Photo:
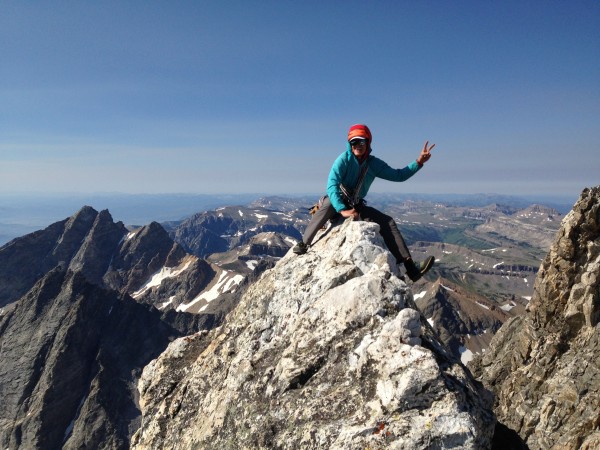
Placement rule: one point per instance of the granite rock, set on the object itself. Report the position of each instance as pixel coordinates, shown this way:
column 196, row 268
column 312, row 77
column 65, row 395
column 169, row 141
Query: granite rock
column 325, row 350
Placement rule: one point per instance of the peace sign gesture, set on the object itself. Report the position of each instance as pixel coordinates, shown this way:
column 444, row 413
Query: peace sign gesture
column 425, row 153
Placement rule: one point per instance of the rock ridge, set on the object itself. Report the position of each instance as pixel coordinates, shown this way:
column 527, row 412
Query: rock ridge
column 326, row 350
column 25, row 260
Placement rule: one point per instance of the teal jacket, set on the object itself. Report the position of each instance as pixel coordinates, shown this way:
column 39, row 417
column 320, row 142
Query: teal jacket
column 346, row 170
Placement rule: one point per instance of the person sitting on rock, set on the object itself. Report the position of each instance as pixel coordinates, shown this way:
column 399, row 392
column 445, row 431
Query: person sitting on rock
column 349, row 181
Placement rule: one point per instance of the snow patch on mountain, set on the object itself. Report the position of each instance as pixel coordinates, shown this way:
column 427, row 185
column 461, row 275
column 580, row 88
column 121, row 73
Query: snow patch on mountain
column 509, row 306
column 160, row 276
column 420, row 295
column 227, row 282
column 466, row 355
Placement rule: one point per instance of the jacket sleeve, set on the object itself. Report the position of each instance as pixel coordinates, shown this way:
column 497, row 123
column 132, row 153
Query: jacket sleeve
column 336, row 175
column 383, row 170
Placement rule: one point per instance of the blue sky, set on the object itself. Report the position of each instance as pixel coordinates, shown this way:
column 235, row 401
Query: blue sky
column 240, row 96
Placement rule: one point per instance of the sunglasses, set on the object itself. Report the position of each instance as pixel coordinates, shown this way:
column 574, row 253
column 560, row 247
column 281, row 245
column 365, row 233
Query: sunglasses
column 358, row 142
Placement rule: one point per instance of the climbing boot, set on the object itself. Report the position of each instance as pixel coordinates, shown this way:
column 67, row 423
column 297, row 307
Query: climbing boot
column 300, row 248
column 416, row 271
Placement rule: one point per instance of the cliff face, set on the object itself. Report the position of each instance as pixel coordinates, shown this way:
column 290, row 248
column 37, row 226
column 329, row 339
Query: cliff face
column 326, row 350
column 71, row 352
column 544, row 366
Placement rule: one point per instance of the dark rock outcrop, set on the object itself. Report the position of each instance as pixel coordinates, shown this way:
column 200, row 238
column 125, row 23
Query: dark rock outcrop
column 96, row 251
column 71, row 353
column 544, row 366
column 107, row 255
column 141, row 254
column 73, row 340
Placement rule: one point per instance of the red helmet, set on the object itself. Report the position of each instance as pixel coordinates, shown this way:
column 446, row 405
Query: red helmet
column 360, row 131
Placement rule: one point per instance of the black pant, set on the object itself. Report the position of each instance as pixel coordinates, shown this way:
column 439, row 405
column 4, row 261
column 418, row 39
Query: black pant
column 388, row 229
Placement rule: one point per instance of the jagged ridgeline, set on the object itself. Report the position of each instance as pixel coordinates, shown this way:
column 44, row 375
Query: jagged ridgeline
column 73, row 340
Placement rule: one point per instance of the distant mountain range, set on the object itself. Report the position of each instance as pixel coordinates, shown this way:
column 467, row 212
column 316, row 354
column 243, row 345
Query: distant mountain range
column 225, row 228
column 25, row 213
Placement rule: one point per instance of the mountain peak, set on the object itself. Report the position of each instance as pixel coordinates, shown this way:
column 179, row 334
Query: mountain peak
column 98, row 246
column 85, row 241
column 85, row 211
column 325, row 350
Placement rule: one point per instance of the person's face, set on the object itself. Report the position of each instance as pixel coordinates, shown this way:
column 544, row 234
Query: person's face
column 359, row 147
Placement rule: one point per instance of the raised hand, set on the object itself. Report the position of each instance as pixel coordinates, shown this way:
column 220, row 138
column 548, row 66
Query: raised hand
column 425, row 153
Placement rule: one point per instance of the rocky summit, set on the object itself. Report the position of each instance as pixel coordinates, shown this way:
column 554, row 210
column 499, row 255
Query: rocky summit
column 326, row 350
column 544, row 366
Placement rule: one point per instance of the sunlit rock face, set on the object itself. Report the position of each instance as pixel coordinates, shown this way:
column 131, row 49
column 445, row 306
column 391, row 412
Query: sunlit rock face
column 544, row 366
column 325, row 350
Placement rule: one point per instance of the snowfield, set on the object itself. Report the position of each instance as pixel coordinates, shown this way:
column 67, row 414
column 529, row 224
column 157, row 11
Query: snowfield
column 158, row 277
column 227, row 283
